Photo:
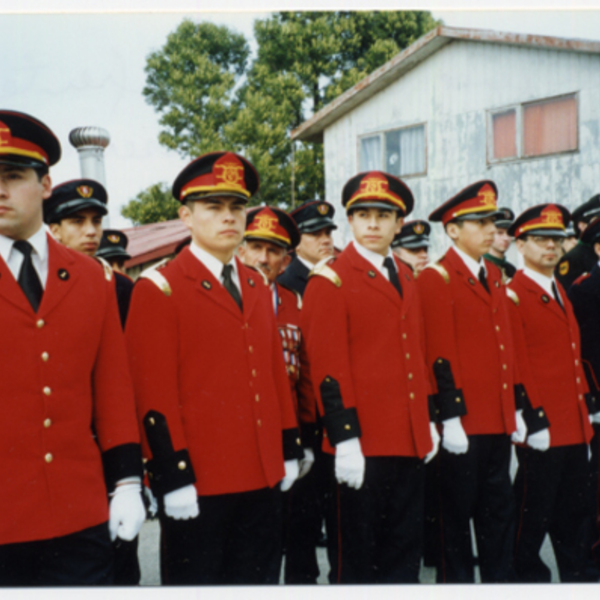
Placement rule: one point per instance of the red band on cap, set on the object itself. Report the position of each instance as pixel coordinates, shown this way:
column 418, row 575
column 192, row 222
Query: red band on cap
column 18, row 146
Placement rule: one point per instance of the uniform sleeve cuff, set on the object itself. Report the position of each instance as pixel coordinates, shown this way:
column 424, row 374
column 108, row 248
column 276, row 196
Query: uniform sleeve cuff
column 535, row 419
column 592, row 403
column 309, row 434
column 292, row 444
column 433, row 416
column 121, row 462
column 521, row 397
column 450, row 404
column 342, row 425
column 168, row 473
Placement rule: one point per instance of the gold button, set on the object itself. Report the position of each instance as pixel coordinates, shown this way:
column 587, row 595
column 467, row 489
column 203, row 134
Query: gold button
column 403, row 336
column 541, row 413
column 45, row 356
column 151, row 421
column 48, row 458
column 410, row 375
column 40, row 323
column 578, row 380
column 181, row 465
column 327, row 379
column 259, row 422
column 576, row 362
column 504, row 386
column 457, row 399
column 497, row 328
column 253, row 372
column 580, row 397
column 144, row 460
column 257, row 398
column 250, row 349
column 411, row 396
column 501, row 347
column 407, row 356
column 347, row 427
column 47, row 423
column 439, row 361
column 504, row 367
column 573, row 346
column 298, row 442
column 47, row 391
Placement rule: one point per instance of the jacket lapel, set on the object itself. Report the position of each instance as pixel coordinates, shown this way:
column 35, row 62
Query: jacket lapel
column 406, row 281
column 543, row 299
column 206, row 284
column 467, row 278
column 62, row 276
column 249, row 281
column 10, row 289
column 373, row 277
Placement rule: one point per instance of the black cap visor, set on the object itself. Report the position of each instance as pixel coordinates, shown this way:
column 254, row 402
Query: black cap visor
column 313, row 225
column 116, row 252
column 66, row 209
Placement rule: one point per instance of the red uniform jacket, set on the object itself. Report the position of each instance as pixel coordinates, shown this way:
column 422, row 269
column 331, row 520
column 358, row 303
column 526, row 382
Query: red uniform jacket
column 64, row 372
column 469, row 345
column 549, row 355
column 210, row 382
column 288, row 308
column 365, row 348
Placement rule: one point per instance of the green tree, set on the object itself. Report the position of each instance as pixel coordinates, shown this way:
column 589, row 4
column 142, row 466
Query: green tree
column 209, row 98
column 152, row 205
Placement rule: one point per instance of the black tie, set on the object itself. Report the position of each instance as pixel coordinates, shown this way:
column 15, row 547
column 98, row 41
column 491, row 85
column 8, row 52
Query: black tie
column 388, row 263
column 28, row 277
column 230, row 286
column 483, row 280
column 557, row 295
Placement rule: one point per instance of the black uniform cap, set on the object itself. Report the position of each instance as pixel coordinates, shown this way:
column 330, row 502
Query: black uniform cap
column 314, row 215
column 591, row 235
column 26, row 142
column 113, row 245
column 506, row 219
column 413, row 235
column 73, row 196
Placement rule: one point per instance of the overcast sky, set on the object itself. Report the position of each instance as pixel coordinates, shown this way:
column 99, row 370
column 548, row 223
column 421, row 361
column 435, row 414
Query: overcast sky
column 73, row 69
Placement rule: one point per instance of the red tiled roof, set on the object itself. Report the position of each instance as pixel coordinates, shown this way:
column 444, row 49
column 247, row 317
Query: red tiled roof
column 154, row 241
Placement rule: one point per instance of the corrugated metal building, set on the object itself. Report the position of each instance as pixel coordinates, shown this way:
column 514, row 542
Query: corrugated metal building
column 461, row 105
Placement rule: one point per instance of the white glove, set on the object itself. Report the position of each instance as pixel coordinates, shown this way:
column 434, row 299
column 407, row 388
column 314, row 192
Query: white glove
column 292, row 468
column 152, row 503
column 350, row 463
column 539, row 440
column 595, row 418
column 182, row 503
column 307, row 462
column 519, row 436
column 126, row 511
column 435, row 438
column 454, row 438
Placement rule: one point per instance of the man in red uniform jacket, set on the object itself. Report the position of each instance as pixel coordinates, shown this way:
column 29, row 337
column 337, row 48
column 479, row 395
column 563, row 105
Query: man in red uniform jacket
column 471, row 363
column 270, row 234
column 551, row 487
column 363, row 326
column 64, row 378
column 212, row 391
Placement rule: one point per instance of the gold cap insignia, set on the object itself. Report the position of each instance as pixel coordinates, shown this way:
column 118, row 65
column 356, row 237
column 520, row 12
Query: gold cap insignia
column 113, row 238
column 85, row 191
column 419, row 228
column 323, row 209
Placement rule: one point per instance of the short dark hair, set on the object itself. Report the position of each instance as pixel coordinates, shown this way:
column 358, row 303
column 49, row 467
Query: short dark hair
column 41, row 171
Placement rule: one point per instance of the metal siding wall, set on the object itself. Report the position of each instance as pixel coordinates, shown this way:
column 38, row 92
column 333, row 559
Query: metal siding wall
column 452, row 92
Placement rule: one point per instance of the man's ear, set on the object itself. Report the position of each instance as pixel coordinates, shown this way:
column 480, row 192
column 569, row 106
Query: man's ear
column 46, row 186
column 453, row 231
column 399, row 223
column 597, row 249
column 288, row 259
column 55, row 231
column 185, row 214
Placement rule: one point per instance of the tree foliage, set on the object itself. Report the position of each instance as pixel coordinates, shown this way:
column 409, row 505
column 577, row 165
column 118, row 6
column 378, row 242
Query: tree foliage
column 152, row 205
column 210, row 98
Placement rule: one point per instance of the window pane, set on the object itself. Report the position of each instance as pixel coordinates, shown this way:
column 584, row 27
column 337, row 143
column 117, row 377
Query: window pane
column 504, row 130
column 405, row 151
column 550, row 126
column 370, row 154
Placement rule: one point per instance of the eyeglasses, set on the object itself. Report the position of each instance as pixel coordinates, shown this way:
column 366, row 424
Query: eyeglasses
column 542, row 240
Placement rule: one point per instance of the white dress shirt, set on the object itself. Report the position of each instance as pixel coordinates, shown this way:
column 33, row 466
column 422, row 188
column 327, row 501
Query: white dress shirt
column 375, row 258
column 215, row 266
column 306, row 263
column 39, row 257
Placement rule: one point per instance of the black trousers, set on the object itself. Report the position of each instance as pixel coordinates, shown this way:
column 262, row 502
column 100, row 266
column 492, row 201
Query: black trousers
column 552, row 494
column 302, row 523
column 476, row 485
column 595, row 494
column 380, row 526
column 82, row 558
column 236, row 539
column 127, row 564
